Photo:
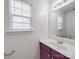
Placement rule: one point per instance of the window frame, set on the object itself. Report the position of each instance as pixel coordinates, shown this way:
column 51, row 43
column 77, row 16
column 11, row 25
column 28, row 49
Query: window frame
column 11, row 19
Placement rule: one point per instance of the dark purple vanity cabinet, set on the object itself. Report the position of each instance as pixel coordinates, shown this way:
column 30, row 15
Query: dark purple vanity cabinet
column 44, row 51
column 48, row 53
column 57, row 55
column 44, row 55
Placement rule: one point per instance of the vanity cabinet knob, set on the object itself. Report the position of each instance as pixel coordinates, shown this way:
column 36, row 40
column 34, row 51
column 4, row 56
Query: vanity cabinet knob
column 52, row 57
column 48, row 54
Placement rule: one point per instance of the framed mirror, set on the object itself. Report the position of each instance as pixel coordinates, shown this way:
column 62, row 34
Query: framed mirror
column 62, row 18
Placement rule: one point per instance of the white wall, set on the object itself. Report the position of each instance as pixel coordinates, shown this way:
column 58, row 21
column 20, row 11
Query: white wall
column 26, row 44
column 70, row 24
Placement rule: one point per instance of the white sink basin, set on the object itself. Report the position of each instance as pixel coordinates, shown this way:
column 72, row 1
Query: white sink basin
column 63, row 46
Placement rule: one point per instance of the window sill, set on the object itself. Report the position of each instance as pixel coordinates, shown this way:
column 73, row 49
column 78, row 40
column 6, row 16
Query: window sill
column 12, row 31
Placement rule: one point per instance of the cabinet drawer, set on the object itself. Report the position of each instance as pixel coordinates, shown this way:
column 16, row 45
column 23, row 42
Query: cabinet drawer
column 44, row 47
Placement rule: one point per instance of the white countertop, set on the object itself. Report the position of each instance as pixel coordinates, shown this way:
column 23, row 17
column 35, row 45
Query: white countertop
column 67, row 49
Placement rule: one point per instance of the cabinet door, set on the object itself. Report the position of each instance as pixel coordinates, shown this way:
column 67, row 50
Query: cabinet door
column 44, row 51
column 59, row 58
column 44, row 55
column 44, row 47
column 57, row 55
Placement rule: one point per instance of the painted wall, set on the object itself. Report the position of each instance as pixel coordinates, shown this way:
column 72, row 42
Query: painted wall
column 70, row 24
column 26, row 44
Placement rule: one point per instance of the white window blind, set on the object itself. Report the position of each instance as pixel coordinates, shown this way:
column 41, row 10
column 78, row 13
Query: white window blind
column 20, row 12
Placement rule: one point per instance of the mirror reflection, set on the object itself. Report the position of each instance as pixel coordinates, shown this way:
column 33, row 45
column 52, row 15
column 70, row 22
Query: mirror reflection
column 62, row 18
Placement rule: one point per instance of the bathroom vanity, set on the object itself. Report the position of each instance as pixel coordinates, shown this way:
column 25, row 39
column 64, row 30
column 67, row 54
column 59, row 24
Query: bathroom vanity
column 50, row 49
column 48, row 53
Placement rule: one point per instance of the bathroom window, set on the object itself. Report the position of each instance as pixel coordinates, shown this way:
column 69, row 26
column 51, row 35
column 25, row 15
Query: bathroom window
column 20, row 12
